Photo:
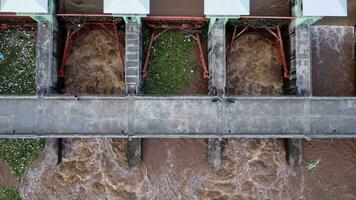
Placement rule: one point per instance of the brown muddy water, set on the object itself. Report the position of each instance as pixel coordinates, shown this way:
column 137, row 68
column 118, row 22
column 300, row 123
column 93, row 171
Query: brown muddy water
column 198, row 84
column 81, row 6
column 6, row 177
column 253, row 67
column 333, row 62
column 95, row 66
column 270, row 8
column 179, row 169
column 177, row 8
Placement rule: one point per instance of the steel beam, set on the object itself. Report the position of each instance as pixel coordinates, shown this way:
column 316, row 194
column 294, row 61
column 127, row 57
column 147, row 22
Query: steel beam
column 180, row 116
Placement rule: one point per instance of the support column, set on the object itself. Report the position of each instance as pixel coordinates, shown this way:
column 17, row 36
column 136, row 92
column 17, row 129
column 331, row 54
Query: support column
column 133, row 80
column 60, row 150
column 134, row 152
column 217, row 57
column 294, row 152
column 46, row 61
column 301, row 73
column 301, row 78
column 51, row 150
column 214, row 152
column 133, row 55
column 303, row 60
column 217, row 77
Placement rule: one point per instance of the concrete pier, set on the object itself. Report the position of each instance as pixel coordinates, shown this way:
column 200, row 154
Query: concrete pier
column 133, row 81
column 133, row 51
column 301, row 79
column 217, row 56
column 46, row 61
column 303, row 60
column 294, row 151
column 217, row 78
column 214, row 152
column 134, row 152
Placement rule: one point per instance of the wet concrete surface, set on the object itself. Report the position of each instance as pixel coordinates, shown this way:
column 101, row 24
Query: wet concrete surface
column 333, row 65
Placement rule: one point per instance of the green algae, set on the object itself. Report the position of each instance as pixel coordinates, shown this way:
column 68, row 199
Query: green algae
column 7, row 193
column 19, row 154
column 18, row 61
column 17, row 76
column 170, row 67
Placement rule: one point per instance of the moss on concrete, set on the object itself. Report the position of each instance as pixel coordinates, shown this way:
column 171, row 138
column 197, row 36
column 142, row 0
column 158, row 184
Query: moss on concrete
column 171, row 67
column 9, row 193
column 17, row 61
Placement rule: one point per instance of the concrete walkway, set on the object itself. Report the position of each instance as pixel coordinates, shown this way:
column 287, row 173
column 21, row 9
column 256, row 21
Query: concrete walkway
column 172, row 117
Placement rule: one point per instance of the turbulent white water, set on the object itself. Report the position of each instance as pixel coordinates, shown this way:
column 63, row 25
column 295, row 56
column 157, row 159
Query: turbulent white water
column 97, row 169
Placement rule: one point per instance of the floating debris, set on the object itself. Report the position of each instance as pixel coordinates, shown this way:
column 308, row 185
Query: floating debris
column 313, row 164
column 170, row 67
column 2, row 56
